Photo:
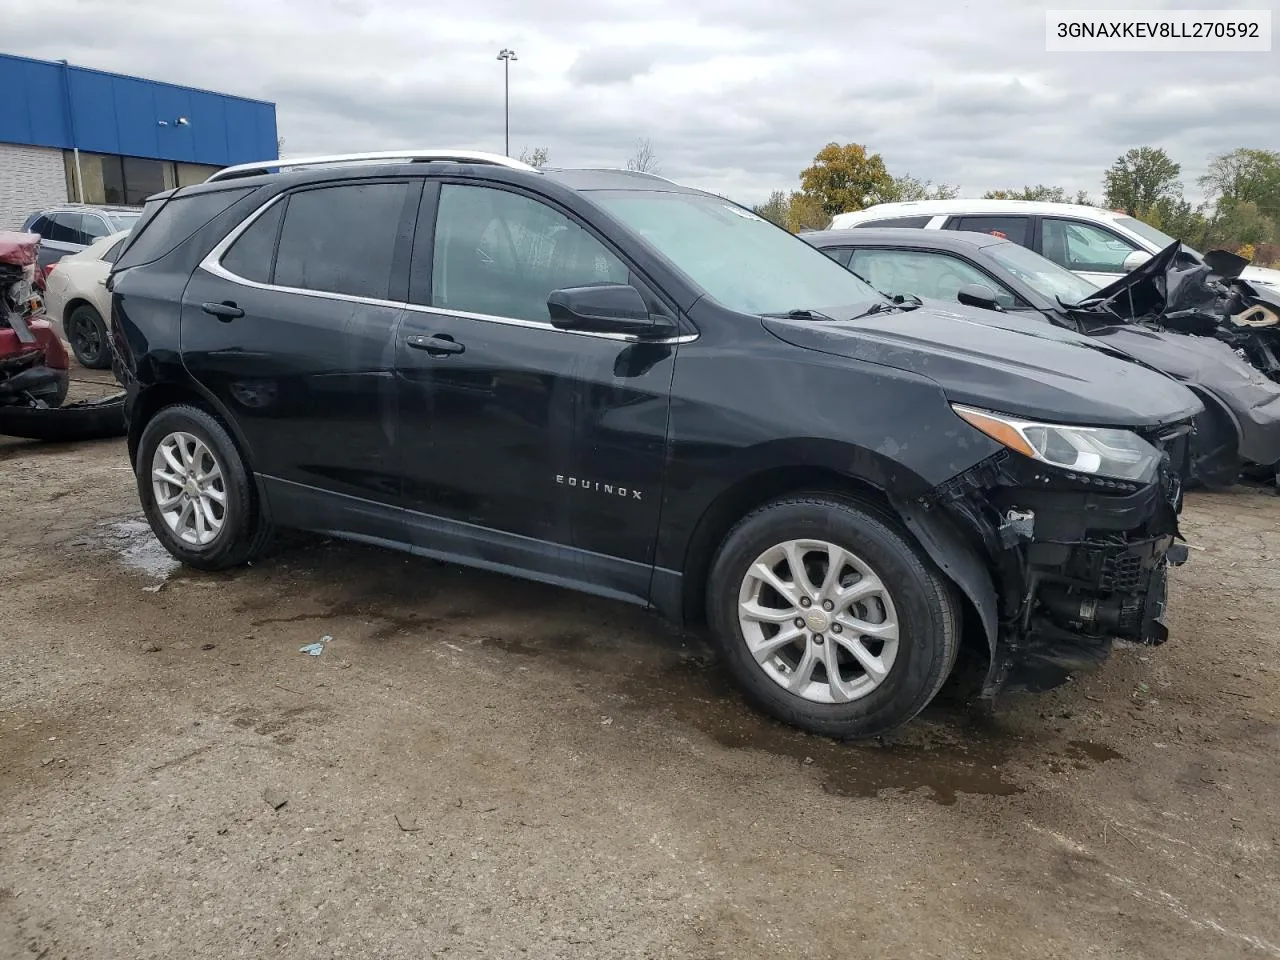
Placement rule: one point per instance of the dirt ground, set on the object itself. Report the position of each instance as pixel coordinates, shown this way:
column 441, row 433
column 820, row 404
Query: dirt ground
column 480, row 767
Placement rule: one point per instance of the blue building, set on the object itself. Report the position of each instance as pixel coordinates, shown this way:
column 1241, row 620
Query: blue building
column 72, row 134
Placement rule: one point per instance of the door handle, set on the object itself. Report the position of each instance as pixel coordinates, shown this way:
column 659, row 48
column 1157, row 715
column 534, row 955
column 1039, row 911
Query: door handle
column 226, row 311
column 436, row 345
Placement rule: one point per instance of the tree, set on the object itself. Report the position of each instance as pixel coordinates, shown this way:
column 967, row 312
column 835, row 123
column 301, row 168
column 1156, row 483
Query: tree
column 908, row 187
column 1140, row 179
column 1242, row 223
column 1243, row 176
column 1178, row 219
column 536, row 158
column 775, row 209
column 846, row 178
column 643, row 158
column 1082, row 197
column 806, row 212
column 1040, row 191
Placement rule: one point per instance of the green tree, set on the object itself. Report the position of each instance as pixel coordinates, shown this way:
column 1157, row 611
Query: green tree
column 1241, row 223
column 775, row 209
column 845, row 178
column 1179, row 219
column 1082, row 197
column 1245, row 176
column 1141, row 178
column 536, row 158
column 1040, row 191
column 908, row 187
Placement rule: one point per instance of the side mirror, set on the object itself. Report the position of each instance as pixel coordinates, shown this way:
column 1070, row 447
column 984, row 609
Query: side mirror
column 1134, row 260
column 978, row 295
column 605, row 308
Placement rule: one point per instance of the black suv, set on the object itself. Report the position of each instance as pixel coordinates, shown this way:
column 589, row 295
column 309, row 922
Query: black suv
column 604, row 380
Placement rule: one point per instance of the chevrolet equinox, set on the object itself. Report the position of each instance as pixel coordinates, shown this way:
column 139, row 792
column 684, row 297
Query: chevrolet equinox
column 607, row 381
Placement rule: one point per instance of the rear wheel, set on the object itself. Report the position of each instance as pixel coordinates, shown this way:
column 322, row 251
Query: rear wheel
column 196, row 491
column 829, row 617
column 87, row 335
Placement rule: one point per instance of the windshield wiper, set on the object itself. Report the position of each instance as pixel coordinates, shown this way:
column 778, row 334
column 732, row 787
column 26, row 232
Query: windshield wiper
column 903, row 305
column 802, row 313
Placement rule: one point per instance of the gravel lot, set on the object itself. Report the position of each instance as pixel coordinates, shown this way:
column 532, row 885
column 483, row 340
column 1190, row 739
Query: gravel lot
column 481, row 767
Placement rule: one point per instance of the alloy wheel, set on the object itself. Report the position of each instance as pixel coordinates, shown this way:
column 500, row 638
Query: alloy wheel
column 819, row 621
column 189, row 488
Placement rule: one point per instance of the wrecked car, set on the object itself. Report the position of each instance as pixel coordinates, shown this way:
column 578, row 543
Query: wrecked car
column 1239, row 428
column 34, row 366
column 680, row 406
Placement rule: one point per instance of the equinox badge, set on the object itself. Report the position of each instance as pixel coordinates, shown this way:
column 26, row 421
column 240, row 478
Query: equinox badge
column 596, row 485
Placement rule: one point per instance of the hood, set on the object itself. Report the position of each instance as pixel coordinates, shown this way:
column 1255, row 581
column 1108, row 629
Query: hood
column 1003, row 363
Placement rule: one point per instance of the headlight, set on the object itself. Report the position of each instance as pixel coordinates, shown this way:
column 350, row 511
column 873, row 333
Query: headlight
column 1100, row 452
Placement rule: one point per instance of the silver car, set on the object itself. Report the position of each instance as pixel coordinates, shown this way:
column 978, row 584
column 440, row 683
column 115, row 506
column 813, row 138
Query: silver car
column 72, row 227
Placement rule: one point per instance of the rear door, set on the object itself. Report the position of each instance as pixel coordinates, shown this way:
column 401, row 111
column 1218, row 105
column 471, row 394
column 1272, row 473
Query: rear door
column 290, row 322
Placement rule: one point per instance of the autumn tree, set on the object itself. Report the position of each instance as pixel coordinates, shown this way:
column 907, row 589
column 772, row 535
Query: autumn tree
column 1140, row 178
column 643, row 157
column 536, row 158
column 806, row 212
column 845, row 178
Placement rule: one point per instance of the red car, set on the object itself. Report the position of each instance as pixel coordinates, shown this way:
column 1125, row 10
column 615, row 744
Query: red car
column 34, row 365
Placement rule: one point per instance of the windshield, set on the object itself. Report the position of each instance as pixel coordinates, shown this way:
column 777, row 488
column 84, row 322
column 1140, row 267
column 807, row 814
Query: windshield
column 1041, row 274
column 740, row 260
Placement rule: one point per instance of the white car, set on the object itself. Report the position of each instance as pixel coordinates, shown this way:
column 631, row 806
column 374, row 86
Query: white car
column 78, row 302
column 1098, row 245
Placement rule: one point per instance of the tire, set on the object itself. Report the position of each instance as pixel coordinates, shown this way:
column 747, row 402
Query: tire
column 911, row 666
column 242, row 530
column 87, row 335
column 83, row 420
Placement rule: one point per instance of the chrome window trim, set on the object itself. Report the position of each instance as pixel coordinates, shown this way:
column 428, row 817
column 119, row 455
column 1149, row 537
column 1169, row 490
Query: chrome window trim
column 212, row 263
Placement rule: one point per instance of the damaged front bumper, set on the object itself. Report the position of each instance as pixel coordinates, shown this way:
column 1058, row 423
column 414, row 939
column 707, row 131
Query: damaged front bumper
column 1057, row 565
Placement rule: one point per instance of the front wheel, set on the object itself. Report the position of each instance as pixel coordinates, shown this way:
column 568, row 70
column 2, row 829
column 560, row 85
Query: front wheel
column 830, row 618
column 196, row 491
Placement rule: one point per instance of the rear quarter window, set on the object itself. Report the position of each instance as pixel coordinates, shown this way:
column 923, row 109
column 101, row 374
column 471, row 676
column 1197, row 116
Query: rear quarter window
column 896, row 222
column 173, row 221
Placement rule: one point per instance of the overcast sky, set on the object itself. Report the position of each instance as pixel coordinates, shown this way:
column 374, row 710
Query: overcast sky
column 736, row 96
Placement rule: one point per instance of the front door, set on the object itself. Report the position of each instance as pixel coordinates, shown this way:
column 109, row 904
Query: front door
column 292, row 328
column 510, row 425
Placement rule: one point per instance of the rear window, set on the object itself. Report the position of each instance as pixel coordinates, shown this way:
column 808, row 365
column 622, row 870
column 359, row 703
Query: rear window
column 172, row 222
column 896, row 222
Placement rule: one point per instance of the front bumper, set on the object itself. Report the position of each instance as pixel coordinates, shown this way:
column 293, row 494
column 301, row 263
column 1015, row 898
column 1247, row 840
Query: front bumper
column 1076, row 562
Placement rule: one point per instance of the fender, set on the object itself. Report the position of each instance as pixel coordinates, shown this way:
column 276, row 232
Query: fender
column 959, row 560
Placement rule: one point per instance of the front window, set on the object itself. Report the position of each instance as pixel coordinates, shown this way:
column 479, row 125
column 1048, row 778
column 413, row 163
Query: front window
column 1041, row 275
column 740, row 260
column 1083, row 246
column 918, row 273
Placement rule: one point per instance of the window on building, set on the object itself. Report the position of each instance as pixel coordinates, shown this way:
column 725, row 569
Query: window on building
column 341, row 239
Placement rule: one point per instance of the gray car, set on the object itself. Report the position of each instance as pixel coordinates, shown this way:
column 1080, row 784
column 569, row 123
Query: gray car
column 72, row 227
column 1240, row 427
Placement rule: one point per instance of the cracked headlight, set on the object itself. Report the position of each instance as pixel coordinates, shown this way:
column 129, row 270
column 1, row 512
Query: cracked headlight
column 1097, row 451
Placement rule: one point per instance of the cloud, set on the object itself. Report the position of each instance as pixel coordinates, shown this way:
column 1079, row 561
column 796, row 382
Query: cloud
column 735, row 95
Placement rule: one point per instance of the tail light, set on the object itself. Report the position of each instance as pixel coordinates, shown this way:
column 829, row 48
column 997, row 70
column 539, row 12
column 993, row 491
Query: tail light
column 48, row 269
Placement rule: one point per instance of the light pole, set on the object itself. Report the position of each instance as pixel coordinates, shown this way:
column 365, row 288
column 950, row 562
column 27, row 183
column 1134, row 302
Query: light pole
column 506, row 56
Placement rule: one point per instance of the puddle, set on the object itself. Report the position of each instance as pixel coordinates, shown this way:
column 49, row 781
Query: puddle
column 135, row 545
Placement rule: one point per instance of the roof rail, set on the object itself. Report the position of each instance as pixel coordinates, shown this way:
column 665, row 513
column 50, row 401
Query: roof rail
column 380, row 156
